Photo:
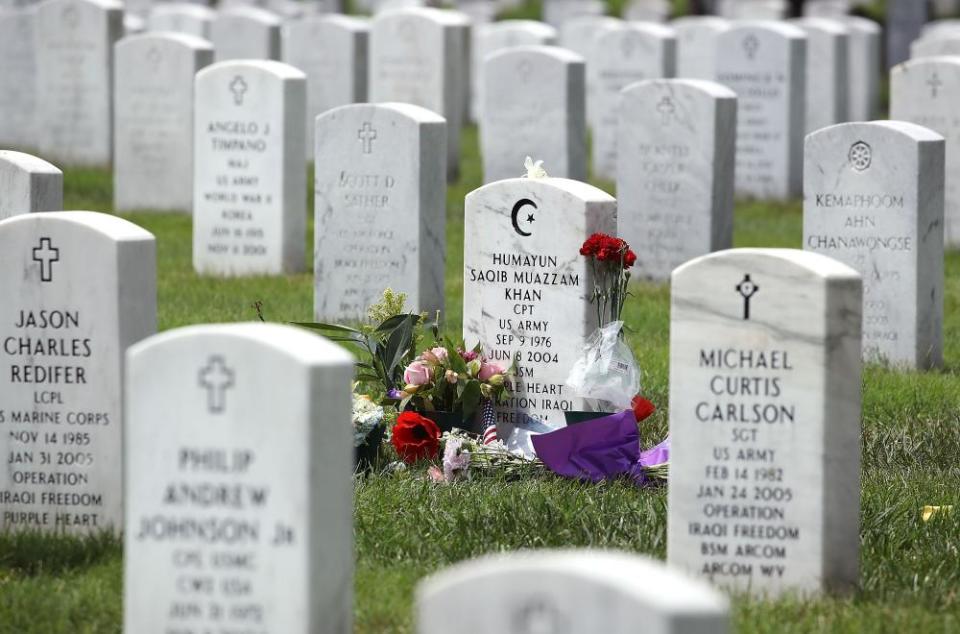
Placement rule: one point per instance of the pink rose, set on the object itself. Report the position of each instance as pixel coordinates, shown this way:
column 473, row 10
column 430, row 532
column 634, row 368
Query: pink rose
column 468, row 355
column 417, row 373
column 434, row 355
column 488, row 370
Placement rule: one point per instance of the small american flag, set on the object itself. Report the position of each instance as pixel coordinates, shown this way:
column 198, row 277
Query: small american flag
column 488, row 421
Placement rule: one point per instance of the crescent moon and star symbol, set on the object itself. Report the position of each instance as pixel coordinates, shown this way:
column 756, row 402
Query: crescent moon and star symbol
column 518, row 216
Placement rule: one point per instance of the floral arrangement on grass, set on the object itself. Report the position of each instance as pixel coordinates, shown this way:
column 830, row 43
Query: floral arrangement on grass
column 610, row 260
column 452, row 379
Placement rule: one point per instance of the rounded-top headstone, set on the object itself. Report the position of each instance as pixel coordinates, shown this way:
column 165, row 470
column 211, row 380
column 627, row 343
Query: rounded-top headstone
column 181, row 17
column 238, row 481
column 765, row 423
column 873, row 199
column 246, row 32
column 697, row 45
column 28, row 184
column 570, row 592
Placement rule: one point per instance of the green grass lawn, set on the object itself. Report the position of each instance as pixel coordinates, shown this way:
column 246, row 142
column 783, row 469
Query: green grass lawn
column 406, row 528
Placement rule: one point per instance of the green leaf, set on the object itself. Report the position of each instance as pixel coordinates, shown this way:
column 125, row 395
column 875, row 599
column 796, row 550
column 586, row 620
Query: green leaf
column 396, row 321
column 457, row 364
column 398, row 345
column 471, row 398
column 322, row 326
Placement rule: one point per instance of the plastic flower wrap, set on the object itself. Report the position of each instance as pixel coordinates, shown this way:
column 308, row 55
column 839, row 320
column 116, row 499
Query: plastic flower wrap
column 367, row 415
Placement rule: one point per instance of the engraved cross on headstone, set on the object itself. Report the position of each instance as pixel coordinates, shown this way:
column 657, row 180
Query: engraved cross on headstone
column 750, row 45
column 216, row 378
column 367, row 134
column 666, row 109
column 934, row 83
column 239, row 88
column 747, row 289
column 46, row 254
column 538, row 617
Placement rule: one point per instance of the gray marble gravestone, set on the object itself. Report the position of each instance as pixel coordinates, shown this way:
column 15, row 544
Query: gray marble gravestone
column 490, row 38
column 873, row 199
column 526, row 290
column 249, row 185
column 827, row 66
column 420, row 56
column 625, row 54
column 28, row 184
column 79, row 287
column 697, row 45
column 153, row 120
column 234, row 525
column 246, row 33
column 332, row 51
column 925, row 91
column 380, row 208
column 677, row 142
column 74, row 104
column 182, row 17
column 534, row 106
column 17, row 79
column 764, row 63
column 863, row 64
column 764, row 492
column 579, row 35
column 569, row 592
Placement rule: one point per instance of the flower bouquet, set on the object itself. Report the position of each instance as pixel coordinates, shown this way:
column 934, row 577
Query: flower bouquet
column 450, row 385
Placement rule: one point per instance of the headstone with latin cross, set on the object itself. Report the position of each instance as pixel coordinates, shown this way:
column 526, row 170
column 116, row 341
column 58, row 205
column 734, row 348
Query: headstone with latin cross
column 924, row 91
column 764, row 493
column 79, row 287
column 153, row 120
column 74, row 99
column 873, row 199
column 534, row 105
column 249, row 186
column 182, row 17
column 764, row 63
column 569, row 592
column 420, row 56
column 231, row 524
column 18, row 78
column 246, row 32
column 697, row 45
column 490, row 38
column 526, row 291
column 827, row 81
column 676, row 145
column 624, row 54
column 332, row 51
column 28, row 184
column 380, row 208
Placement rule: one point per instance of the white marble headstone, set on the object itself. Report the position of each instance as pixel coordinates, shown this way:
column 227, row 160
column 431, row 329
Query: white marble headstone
column 17, row 77
column 826, row 8
column 936, row 45
column 764, row 493
column 556, row 13
column 926, row 91
column 752, row 9
column 182, row 17
column 153, row 120
column 873, row 199
column 526, row 290
column 568, row 592
column 74, row 103
column 380, row 208
column 28, row 184
column 624, row 54
column 677, row 141
column 534, row 106
column 863, row 68
column 78, row 288
column 647, row 10
column 332, row 51
column 246, row 32
column 239, row 485
column 490, row 38
column 697, row 45
column 827, row 77
column 764, row 63
column 579, row 35
column 420, row 56
column 249, row 186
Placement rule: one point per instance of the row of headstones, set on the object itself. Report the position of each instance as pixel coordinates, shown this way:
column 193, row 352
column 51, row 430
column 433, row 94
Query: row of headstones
column 764, row 495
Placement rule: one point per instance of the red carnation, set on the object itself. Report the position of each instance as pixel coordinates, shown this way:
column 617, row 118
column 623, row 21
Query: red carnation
column 415, row 437
column 629, row 259
column 642, row 408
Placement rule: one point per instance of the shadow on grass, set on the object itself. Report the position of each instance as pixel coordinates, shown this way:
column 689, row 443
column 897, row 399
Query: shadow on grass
column 31, row 553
